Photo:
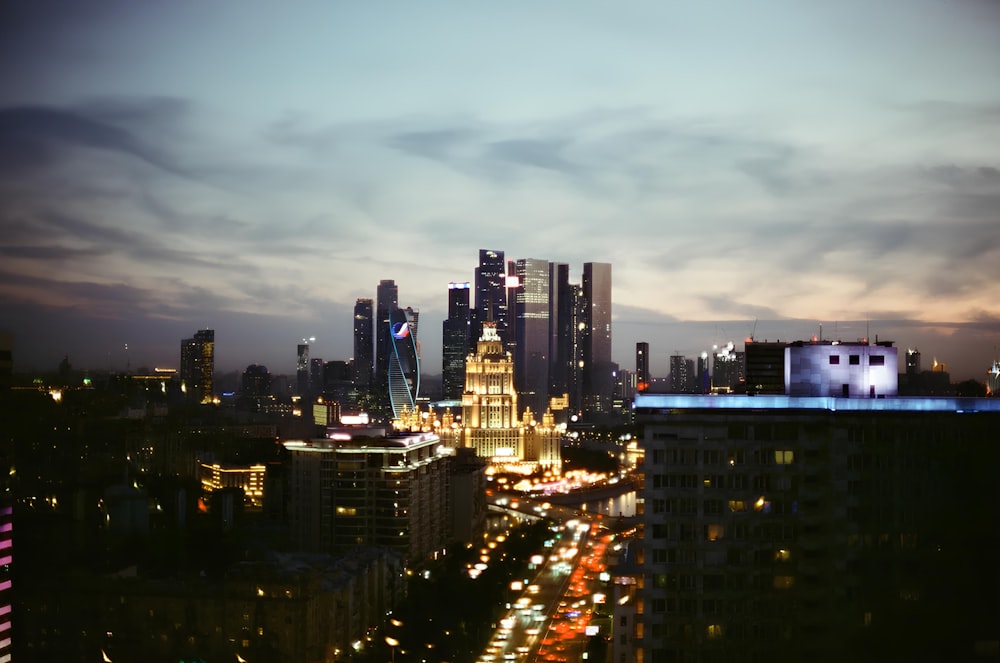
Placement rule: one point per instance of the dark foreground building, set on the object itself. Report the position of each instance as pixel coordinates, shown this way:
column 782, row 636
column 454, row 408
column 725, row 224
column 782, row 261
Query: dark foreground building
column 781, row 528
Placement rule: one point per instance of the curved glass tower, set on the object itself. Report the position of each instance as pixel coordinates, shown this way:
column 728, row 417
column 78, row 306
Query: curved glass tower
column 404, row 362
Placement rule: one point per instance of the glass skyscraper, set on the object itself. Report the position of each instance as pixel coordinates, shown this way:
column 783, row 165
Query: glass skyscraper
column 532, row 334
column 364, row 348
column 491, row 292
column 455, row 339
column 598, row 370
column 404, row 361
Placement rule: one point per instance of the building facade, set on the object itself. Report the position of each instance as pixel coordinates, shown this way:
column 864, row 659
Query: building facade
column 532, row 327
column 198, row 366
column 455, row 340
column 783, row 528
column 370, row 490
column 364, row 345
column 597, row 368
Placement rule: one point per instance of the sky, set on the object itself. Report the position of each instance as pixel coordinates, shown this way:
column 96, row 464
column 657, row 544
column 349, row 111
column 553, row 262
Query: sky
column 775, row 169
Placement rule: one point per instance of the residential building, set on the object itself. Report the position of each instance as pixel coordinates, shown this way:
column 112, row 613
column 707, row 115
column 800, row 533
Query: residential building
column 198, row 366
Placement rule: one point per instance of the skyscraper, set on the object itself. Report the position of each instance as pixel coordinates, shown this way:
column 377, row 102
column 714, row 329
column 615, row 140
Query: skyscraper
column 561, row 329
column 642, row 363
column 532, row 334
column 455, row 341
column 404, row 361
column 198, row 365
column 386, row 301
column 491, row 292
column 364, row 357
column 598, row 378
column 302, row 367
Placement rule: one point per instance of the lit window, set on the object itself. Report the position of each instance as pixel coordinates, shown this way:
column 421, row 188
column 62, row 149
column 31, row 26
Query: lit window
column 714, row 531
column 784, row 582
column 784, row 457
column 782, row 555
column 737, row 505
column 714, row 630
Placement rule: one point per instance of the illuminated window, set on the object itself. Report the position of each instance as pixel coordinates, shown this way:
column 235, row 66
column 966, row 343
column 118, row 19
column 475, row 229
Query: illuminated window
column 714, row 631
column 784, row 582
column 782, row 555
column 784, row 457
column 714, row 531
column 346, row 511
column 737, row 505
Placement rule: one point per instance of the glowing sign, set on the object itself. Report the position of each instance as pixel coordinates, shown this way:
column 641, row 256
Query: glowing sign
column 400, row 330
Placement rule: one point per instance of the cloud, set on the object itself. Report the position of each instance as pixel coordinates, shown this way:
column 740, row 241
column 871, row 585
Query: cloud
column 31, row 137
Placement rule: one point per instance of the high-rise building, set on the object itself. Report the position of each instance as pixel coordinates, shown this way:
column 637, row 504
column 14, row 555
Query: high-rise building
column 489, row 403
column 598, row 373
column 388, row 492
column 198, row 365
column 563, row 330
column 765, row 366
column 682, row 376
column 256, row 382
column 404, row 361
column 727, row 369
column 642, row 376
column 912, row 361
column 491, row 293
column 364, row 344
column 6, row 567
column 302, row 368
column 532, row 334
column 811, row 528
column 386, row 301
column 455, row 341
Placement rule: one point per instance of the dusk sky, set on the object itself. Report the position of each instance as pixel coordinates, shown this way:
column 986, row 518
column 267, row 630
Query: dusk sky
column 254, row 168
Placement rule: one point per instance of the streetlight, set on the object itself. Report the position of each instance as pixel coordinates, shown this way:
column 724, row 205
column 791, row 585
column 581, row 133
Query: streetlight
column 393, row 643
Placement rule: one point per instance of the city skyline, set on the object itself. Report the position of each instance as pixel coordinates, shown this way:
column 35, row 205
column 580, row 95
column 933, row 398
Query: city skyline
column 801, row 166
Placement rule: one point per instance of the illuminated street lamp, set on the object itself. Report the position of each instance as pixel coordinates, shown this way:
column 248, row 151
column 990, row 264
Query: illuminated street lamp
column 393, row 643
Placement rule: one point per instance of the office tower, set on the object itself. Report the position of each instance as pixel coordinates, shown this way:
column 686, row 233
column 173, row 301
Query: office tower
column 316, row 375
column 256, row 382
column 386, row 301
column 598, row 380
column 455, row 341
column 678, row 375
column 561, row 325
column 363, row 488
column 765, row 366
column 302, row 368
column 337, row 383
column 727, row 369
column 785, row 528
column 364, row 344
column 703, row 377
column 532, row 334
column 198, row 365
column 491, row 293
column 404, row 362
column 489, row 402
column 912, row 361
column 642, row 376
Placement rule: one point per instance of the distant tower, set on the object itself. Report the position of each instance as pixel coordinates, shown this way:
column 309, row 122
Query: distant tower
column 386, row 301
column 455, row 341
column 598, row 372
column 364, row 344
column 680, row 374
column 913, row 361
column 491, row 292
column 531, row 333
column 198, row 365
column 256, row 382
column 562, row 329
column 302, row 368
column 404, row 362
column 642, row 363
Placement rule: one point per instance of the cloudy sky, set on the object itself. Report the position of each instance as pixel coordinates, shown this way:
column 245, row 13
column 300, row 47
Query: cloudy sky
column 764, row 168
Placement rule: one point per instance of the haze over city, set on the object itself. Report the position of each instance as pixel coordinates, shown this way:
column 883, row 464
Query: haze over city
column 175, row 166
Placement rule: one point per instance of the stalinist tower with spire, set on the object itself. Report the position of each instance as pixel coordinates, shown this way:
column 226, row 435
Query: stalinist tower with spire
column 489, row 402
